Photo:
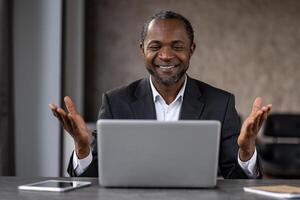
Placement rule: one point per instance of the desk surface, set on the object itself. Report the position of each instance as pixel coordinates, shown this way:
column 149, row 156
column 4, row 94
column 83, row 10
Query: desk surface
column 225, row 190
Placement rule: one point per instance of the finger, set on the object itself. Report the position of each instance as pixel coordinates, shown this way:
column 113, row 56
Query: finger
column 248, row 123
column 60, row 119
column 53, row 109
column 266, row 109
column 266, row 113
column 73, row 123
column 250, row 126
column 255, row 117
column 52, row 106
column 264, row 117
column 259, row 119
column 269, row 106
column 57, row 115
column 65, row 119
column 70, row 105
column 256, row 105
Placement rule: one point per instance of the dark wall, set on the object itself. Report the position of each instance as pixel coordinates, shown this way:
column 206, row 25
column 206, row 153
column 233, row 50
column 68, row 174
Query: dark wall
column 247, row 47
column 6, row 101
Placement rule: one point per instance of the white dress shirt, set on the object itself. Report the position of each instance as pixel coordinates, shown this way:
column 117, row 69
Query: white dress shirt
column 171, row 112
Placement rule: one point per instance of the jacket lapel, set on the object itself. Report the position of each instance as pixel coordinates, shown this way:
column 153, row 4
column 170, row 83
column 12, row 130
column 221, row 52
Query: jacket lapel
column 143, row 105
column 192, row 106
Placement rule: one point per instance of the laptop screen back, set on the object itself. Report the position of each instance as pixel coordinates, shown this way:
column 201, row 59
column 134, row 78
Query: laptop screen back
column 149, row 153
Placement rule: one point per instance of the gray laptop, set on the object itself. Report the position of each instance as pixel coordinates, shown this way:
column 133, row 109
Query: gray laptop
column 150, row 153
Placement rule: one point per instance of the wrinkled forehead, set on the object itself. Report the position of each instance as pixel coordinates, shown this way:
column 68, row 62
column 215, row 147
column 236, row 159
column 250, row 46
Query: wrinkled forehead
column 166, row 30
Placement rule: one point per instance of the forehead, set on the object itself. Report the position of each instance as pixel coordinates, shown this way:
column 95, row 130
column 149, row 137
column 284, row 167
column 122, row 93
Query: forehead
column 166, row 30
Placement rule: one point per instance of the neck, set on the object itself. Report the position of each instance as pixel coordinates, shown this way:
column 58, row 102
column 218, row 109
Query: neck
column 168, row 92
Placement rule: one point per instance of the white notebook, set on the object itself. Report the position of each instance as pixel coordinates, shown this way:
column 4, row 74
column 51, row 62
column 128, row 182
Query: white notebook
column 278, row 191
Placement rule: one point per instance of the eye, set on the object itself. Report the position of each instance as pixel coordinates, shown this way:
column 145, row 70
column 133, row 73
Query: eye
column 178, row 47
column 154, row 47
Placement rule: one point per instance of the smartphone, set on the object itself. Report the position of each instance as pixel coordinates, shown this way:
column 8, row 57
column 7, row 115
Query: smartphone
column 54, row 185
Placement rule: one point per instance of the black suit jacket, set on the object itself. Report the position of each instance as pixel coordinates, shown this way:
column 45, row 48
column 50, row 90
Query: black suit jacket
column 200, row 101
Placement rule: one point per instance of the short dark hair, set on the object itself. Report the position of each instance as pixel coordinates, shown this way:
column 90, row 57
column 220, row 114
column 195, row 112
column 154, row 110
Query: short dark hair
column 169, row 15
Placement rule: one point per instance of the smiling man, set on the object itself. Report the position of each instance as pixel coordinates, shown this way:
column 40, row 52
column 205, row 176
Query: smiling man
column 168, row 94
column 167, row 47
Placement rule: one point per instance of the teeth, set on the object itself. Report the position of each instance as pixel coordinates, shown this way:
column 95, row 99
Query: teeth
column 166, row 67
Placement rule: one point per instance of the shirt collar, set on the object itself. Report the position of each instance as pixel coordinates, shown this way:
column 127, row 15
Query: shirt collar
column 156, row 94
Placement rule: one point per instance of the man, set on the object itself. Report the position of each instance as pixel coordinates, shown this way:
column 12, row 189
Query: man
column 167, row 44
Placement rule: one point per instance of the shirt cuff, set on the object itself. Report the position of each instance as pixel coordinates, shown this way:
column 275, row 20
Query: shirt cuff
column 80, row 165
column 250, row 166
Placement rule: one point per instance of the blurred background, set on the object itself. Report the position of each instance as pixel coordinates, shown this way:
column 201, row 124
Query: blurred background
column 53, row 48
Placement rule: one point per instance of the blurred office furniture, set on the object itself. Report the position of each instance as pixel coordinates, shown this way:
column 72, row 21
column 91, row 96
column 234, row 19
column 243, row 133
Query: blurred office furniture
column 279, row 146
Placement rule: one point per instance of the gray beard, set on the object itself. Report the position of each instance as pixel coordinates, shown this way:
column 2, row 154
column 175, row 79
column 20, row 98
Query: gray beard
column 168, row 81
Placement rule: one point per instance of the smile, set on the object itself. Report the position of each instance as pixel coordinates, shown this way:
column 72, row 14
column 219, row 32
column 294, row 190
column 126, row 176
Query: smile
column 166, row 66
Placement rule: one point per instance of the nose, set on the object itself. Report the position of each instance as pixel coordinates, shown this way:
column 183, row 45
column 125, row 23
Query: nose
column 165, row 53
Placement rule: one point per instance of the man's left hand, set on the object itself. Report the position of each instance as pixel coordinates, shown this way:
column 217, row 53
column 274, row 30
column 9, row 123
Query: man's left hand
column 250, row 129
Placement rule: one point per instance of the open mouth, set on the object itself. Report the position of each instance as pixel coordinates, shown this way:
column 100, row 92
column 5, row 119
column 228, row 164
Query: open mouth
column 166, row 66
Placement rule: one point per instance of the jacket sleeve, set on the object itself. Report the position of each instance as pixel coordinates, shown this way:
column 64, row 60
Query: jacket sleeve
column 92, row 169
column 229, row 148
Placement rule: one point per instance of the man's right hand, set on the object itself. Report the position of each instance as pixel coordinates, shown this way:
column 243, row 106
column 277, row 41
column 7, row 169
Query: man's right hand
column 75, row 125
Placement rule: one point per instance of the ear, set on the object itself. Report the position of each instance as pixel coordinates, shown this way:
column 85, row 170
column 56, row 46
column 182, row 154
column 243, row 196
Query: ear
column 192, row 48
column 142, row 48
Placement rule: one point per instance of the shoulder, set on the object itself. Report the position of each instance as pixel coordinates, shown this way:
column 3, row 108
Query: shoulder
column 208, row 90
column 128, row 91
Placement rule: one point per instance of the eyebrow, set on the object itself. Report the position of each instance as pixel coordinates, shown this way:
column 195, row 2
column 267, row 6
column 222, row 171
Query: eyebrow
column 178, row 41
column 154, row 41
column 157, row 41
